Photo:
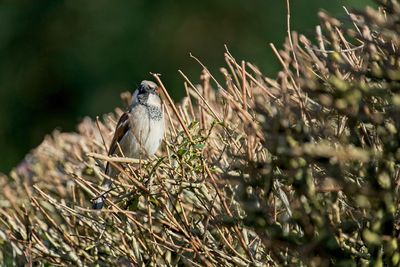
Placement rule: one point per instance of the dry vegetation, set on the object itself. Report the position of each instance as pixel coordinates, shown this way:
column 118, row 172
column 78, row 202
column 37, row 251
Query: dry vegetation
column 302, row 170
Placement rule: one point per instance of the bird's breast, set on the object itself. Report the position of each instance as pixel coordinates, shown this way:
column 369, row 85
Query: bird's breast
column 147, row 129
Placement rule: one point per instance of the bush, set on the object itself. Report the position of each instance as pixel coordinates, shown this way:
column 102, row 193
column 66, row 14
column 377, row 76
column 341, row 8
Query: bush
column 300, row 170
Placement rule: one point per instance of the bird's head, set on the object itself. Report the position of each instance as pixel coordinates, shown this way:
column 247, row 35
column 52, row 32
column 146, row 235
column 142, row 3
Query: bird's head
column 147, row 87
column 146, row 94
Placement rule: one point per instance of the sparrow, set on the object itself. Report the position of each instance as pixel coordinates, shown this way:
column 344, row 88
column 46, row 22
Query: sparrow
column 139, row 131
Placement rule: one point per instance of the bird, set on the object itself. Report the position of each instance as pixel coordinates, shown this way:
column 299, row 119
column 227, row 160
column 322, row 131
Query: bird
column 138, row 134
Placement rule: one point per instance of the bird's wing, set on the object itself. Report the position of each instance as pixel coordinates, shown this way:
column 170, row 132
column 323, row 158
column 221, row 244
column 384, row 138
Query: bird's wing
column 120, row 130
column 123, row 126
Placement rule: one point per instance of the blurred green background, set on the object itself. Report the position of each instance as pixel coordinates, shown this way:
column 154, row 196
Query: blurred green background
column 63, row 60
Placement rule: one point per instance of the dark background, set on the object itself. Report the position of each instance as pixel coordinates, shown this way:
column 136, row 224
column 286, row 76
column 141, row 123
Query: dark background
column 63, row 60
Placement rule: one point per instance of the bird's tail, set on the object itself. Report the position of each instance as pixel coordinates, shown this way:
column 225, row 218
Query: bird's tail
column 98, row 203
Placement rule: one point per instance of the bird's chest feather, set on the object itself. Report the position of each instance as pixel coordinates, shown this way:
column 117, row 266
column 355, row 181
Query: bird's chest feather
column 147, row 128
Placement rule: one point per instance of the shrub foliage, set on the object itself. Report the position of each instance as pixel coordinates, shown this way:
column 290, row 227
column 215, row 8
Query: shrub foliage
column 298, row 170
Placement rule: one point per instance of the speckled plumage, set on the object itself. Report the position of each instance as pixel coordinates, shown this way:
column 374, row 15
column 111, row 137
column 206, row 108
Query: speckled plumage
column 139, row 131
